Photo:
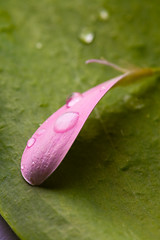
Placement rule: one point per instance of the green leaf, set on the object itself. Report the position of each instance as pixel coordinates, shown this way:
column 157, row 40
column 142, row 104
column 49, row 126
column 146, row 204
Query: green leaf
column 108, row 185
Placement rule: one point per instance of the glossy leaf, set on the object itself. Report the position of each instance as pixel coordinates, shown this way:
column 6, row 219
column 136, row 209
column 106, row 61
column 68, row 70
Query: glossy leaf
column 107, row 187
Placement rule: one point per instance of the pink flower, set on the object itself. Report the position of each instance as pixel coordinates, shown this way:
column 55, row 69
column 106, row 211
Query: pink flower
column 50, row 143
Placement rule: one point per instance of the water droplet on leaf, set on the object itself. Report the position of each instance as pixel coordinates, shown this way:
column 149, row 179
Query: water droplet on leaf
column 127, row 98
column 139, row 106
column 73, row 99
column 86, row 36
column 133, row 102
column 30, row 142
column 103, row 15
column 66, row 122
column 39, row 45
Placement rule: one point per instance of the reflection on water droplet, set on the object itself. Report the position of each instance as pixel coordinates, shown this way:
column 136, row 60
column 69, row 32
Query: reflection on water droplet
column 73, row 99
column 22, row 167
column 33, row 163
column 66, row 122
column 39, row 45
column 86, row 36
column 30, row 142
column 103, row 15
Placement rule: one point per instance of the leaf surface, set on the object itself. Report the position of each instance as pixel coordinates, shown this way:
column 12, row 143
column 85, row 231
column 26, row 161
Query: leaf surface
column 108, row 185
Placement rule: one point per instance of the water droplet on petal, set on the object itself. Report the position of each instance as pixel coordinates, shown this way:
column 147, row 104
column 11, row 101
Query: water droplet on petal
column 22, row 167
column 86, row 36
column 103, row 15
column 40, row 131
column 73, row 99
column 30, row 142
column 66, row 121
column 102, row 89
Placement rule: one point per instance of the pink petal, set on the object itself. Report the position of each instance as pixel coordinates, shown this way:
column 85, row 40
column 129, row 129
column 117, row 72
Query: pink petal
column 50, row 143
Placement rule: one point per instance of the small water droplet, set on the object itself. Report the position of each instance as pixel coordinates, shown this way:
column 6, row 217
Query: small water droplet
column 40, row 131
column 139, row 106
column 102, row 89
column 33, row 163
column 22, row 167
column 39, row 45
column 73, row 99
column 30, row 142
column 86, row 36
column 103, row 15
column 66, row 121
column 127, row 98
column 133, row 102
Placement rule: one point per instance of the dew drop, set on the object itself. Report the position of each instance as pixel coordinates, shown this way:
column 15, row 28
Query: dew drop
column 133, row 102
column 39, row 45
column 22, row 167
column 103, row 15
column 73, row 99
column 40, row 131
column 127, row 98
column 102, row 89
column 139, row 106
column 30, row 142
column 66, row 121
column 86, row 36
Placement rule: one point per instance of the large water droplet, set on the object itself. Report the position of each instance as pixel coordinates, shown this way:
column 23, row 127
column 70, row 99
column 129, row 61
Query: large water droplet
column 86, row 36
column 66, row 122
column 30, row 142
column 73, row 99
column 103, row 15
